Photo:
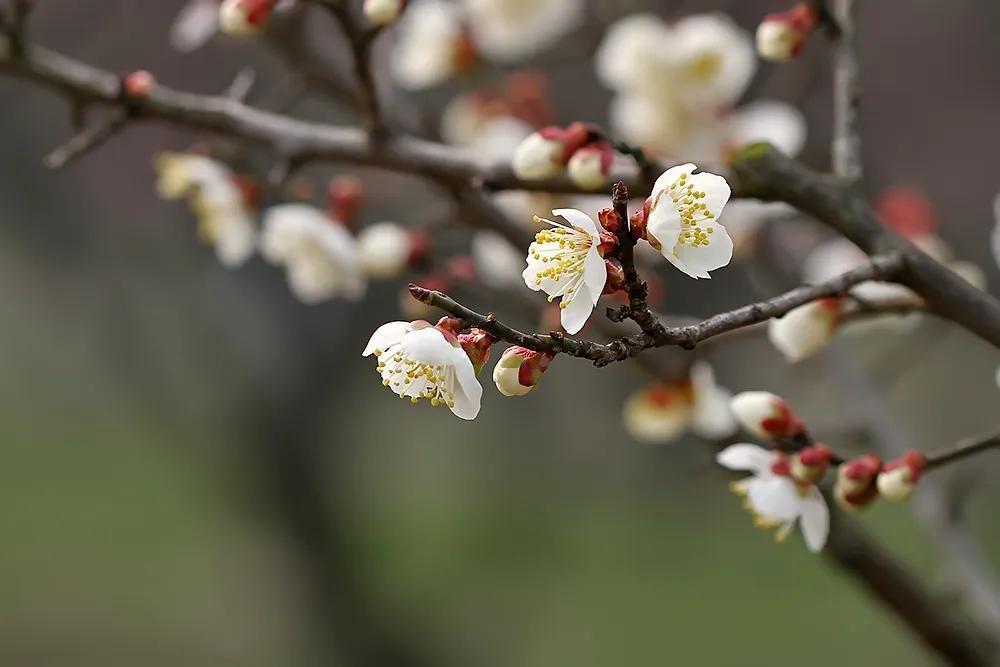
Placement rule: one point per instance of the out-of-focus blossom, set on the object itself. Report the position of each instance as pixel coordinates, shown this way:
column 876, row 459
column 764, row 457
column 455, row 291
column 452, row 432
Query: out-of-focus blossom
column 775, row 497
column 319, row 254
column 417, row 360
column 382, row 12
column 855, row 486
column 662, row 412
column 779, row 124
column 385, row 249
column 589, row 166
column 506, row 31
column 804, row 331
column 544, row 153
column 432, row 47
column 766, row 415
column 215, row 197
column 198, row 22
column 682, row 220
column 498, row 262
column 899, row 478
column 519, row 369
column 781, row 36
column 240, row 18
column 565, row 262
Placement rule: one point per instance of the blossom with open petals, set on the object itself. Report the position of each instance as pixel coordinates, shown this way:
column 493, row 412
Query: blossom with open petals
column 565, row 262
column 804, row 331
column 417, row 360
column 433, row 45
column 213, row 194
column 776, row 499
column 319, row 254
column 506, row 31
column 682, row 220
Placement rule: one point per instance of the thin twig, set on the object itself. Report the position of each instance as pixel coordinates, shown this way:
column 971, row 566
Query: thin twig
column 964, row 448
column 846, row 149
column 86, row 140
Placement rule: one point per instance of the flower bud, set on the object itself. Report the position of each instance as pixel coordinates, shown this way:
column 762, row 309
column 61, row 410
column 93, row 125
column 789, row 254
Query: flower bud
column 609, row 219
column 855, row 485
column 637, row 222
column 589, row 166
column 477, row 344
column 809, row 465
column 780, row 37
column 765, row 415
column 382, row 12
column 899, row 478
column 519, row 370
column 240, row 18
column 616, row 276
column 659, row 413
column 344, row 196
column 138, row 83
column 386, row 249
column 608, row 244
column 803, row 331
column 544, row 154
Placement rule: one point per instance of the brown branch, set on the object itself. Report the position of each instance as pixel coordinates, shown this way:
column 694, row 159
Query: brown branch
column 361, row 39
column 846, row 149
column 637, row 309
column 87, row 139
column 964, row 448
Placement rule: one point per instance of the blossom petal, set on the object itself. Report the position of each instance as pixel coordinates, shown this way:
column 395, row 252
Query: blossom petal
column 386, row 335
column 716, row 191
column 196, row 23
column 578, row 219
column 774, row 497
column 576, row 312
column 668, row 177
column 467, row 392
column 595, row 274
column 745, row 456
column 428, row 346
column 777, row 123
column 815, row 520
column 704, row 258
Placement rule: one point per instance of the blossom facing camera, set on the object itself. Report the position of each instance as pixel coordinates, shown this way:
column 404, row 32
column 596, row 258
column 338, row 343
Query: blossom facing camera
column 899, row 478
column 519, row 369
column 781, row 36
column 766, row 415
column 386, row 249
column 240, row 18
column 382, row 12
column 804, row 331
column 855, row 486
column 544, row 154
column 566, row 263
column 774, row 497
column 417, row 360
column 682, row 220
column 589, row 167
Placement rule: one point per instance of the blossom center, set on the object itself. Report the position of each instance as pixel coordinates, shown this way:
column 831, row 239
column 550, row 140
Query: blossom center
column 563, row 250
column 413, row 379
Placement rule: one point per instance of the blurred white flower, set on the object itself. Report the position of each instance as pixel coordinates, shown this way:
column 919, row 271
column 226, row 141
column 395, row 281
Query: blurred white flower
column 498, row 262
column 382, row 12
column 838, row 256
column 240, row 18
column 745, row 218
column 506, row 31
column 565, row 263
column 682, row 222
column 804, row 331
column 766, row 415
column 432, row 45
column 589, row 166
column 385, row 249
column 779, row 124
column 215, row 197
column 781, row 36
column 319, row 254
column 197, row 22
column 417, row 360
column 775, row 498
column 544, row 153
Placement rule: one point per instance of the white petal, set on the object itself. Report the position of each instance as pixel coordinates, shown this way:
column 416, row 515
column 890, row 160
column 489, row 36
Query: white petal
column 745, row 456
column 578, row 219
column 777, row 123
column 386, row 335
column 428, row 346
column 196, row 23
column 774, row 497
column 681, row 266
column 712, row 417
column 595, row 274
column 704, row 258
column 468, row 393
column 716, row 191
column 668, row 177
column 575, row 315
column 815, row 520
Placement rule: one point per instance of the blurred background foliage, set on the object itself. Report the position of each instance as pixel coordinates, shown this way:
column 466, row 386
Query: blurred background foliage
column 196, row 470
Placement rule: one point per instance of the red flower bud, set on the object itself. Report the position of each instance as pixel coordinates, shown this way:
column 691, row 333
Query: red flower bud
column 810, row 464
column 855, row 485
column 609, row 219
column 138, row 83
column 616, row 276
column 477, row 344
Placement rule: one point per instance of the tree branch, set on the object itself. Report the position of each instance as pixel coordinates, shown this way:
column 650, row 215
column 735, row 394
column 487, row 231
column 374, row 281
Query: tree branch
column 846, row 149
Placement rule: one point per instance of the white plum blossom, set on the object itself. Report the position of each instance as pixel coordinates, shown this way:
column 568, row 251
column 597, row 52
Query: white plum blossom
column 319, row 254
column 498, row 262
column 776, row 499
column 432, row 45
column 804, row 331
column 240, row 18
column 662, row 412
column 779, row 124
column 589, row 166
column 565, row 262
column 518, row 370
column 417, row 360
column 385, row 249
column 507, row 31
column 216, row 199
column 198, row 22
column 682, row 220
column 382, row 12
column 544, row 154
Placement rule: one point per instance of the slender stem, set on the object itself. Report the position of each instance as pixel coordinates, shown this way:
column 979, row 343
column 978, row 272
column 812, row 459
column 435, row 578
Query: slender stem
column 846, row 149
column 964, row 448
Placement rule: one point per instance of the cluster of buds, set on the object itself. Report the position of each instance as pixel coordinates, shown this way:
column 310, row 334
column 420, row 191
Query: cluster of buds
column 241, row 18
column 578, row 148
column 383, row 12
column 781, row 36
column 519, row 370
column 767, row 416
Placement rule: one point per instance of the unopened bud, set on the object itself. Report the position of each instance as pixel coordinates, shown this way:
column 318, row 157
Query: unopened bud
column 519, row 370
column 804, row 331
column 138, row 83
column 386, row 249
column 544, row 154
column 240, row 18
column 637, row 222
column 809, row 465
column 766, row 415
column 344, row 197
column 609, row 219
column 383, row 12
column 780, row 37
column 855, row 485
column 616, row 276
column 589, row 166
column 899, row 478
column 477, row 344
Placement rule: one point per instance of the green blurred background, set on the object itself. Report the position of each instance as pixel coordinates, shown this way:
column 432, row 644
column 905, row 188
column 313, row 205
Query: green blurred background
column 197, row 470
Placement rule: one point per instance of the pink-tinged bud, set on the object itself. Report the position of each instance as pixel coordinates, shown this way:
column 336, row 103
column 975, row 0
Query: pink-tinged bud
column 451, row 325
column 908, row 211
column 804, row 331
column 385, row 249
column 138, row 83
column 383, row 12
column 544, row 154
column 809, row 465
column 344, row 196
column 780, row 37
column 609, row 219
column 608, row 244
column 637, row 222
column 240, row 18
column 899, row 478
column 519, row 370
column 855, row 486
column 616, row 276
column 477, row 344
column 765, row 415
column 589, row 166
